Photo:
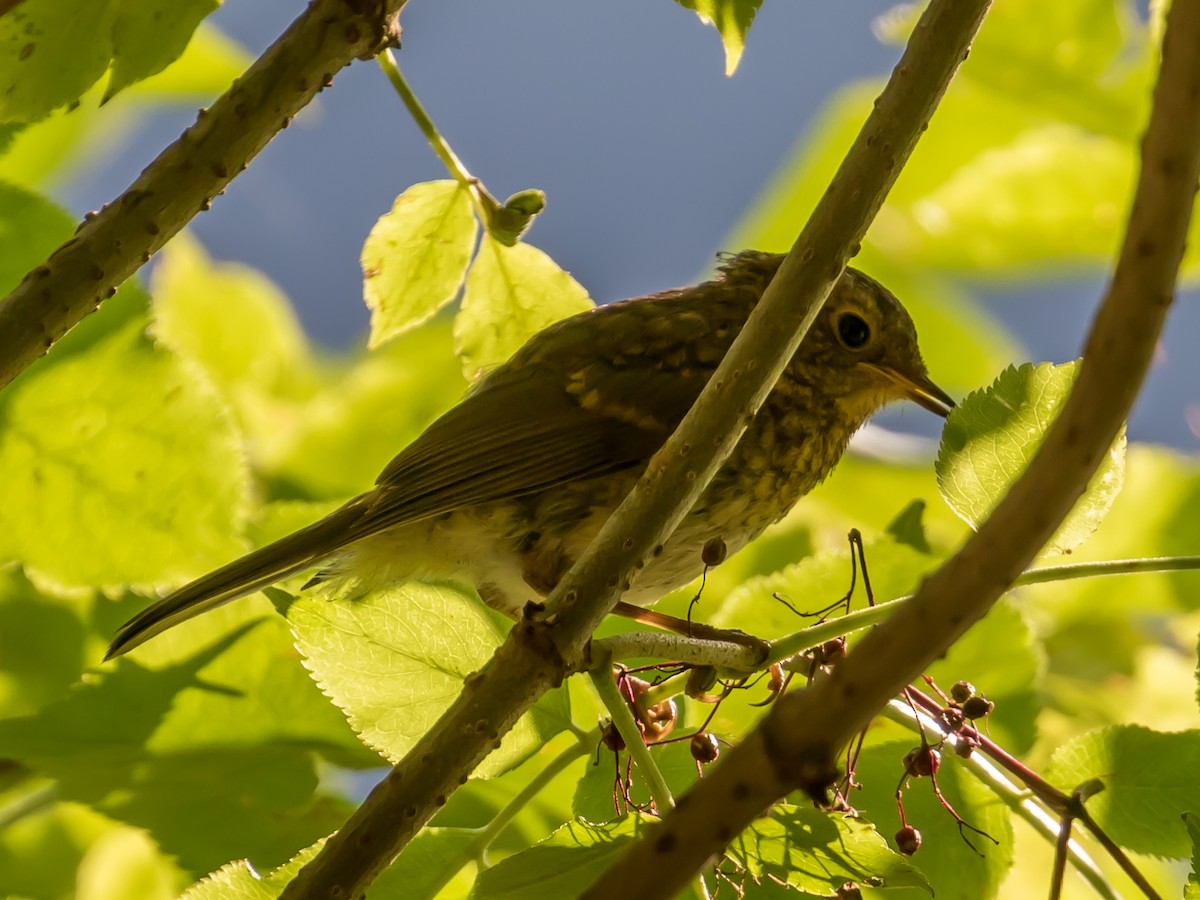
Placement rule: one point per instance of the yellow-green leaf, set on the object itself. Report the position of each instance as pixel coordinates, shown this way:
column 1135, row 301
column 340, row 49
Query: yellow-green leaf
column 993, row 434
column 732, row 19
column 415, row 257
column 512, row 293
column 119, row 466
column 395, row 659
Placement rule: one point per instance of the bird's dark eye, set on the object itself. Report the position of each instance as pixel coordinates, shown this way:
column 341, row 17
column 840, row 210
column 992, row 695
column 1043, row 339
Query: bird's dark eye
column 853, row 330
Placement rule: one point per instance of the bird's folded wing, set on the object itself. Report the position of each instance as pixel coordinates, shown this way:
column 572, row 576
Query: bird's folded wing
column 526, row 430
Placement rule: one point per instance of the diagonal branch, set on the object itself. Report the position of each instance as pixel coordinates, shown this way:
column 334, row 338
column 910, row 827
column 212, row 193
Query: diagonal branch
column 542, row 650
column 112, row 244
column 797, row 744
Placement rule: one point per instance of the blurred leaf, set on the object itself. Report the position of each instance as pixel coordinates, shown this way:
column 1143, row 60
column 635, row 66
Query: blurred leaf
column 395, row 659
column 143, row 482
column 908, row 528
column 230, row 678
column 336, row 443
column 1098, row 630
column 248, row 688
column 41, row 646
column 415, row 257
column 243, row 333
column 867, row 494
column 125, row 863
column 148, row 35
column 51, row 51
column 208, row 65
column 1086, row 61
column 30, row 228
column 993, row 434
column 44, row 152
column 732, row 19
column 203, row 807
column 560, row 866
column 511, row 294
column 1149, row 783
column 40, row 852
column 954, row 870
column 817, row 851
column 1052, row 198
column 229, row 318
column 421, row 869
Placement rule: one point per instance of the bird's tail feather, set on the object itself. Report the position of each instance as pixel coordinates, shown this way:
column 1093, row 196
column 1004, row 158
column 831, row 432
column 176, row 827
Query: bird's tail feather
column 243, row 576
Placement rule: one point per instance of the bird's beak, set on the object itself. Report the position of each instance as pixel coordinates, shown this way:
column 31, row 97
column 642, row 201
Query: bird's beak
column 919, row 389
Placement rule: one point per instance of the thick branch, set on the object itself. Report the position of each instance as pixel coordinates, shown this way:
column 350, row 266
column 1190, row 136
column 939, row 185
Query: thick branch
column 797, row 744
column 539, row 653
column 112, row 244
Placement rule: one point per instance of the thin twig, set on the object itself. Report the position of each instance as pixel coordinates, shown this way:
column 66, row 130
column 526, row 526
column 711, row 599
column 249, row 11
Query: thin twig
column 798, row 743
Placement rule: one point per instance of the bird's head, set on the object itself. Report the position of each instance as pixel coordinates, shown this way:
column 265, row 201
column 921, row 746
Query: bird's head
column 864, row 347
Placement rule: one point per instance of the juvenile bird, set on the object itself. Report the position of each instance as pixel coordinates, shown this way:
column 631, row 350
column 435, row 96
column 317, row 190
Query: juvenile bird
column 507, row 488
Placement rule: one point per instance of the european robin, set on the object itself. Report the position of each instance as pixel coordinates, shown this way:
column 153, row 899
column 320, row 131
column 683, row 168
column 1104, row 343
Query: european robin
column 507, row 488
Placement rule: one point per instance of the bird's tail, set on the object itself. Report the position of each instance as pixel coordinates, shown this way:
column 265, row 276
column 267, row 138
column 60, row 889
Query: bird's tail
column 256, row 570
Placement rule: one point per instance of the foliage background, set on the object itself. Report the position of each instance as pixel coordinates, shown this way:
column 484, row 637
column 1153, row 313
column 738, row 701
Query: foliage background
column 227, row 425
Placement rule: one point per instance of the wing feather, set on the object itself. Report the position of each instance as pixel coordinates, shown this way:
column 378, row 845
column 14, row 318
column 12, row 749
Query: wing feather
column 526, row 431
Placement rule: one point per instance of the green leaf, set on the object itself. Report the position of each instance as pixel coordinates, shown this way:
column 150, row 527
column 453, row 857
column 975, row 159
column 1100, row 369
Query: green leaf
column 336, row 443
column 416, row 256
column 31, row 227
column 148, row 35
column 1149, row 783
column 395, row 659
column 46, row 151
column 562, row 865
column 214, row 720
column 230, row 319
column 143, row 483
column 992, row 435
column 1053, row 197
column 203, row 807
column 953, row 869
column 1088, row 61
column 41, row 852
column 420, row 871
column 511, row 294
column 1192, row 822
column 208, row 65
column 126, row 863
column 240, row 329
column 249, row 688
column 732, row 19
column 240, row 881
column 817, row 851
column 909, row 527
column 51, row 51
column 41, row 645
